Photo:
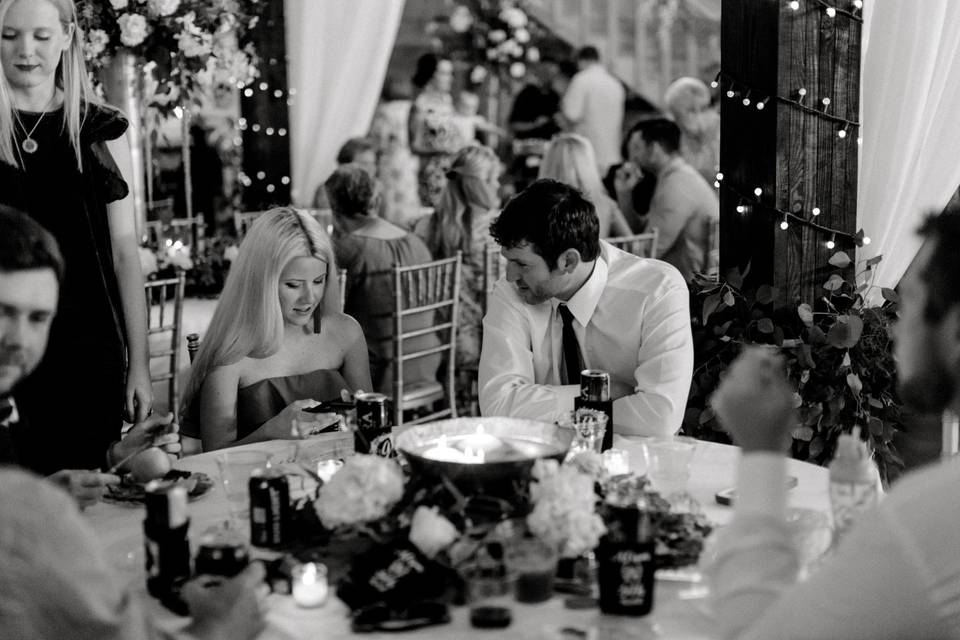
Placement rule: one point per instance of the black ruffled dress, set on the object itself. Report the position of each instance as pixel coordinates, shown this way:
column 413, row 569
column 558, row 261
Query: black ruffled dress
column 73, row 402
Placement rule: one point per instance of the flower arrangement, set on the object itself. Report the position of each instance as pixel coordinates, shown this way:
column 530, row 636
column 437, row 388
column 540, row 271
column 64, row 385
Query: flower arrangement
column 564, row 513
column 498, row 33
column 191, row 45
column 206, row 272
column 838, row 351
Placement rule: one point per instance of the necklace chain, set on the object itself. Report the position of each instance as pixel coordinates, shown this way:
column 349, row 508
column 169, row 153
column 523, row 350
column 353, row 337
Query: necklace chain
column 29, row 144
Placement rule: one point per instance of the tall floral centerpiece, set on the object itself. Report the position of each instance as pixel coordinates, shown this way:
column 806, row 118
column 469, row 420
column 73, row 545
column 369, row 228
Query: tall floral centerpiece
column 154, row 58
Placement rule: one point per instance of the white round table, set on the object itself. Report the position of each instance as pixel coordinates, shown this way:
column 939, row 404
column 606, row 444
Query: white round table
column 681, row 609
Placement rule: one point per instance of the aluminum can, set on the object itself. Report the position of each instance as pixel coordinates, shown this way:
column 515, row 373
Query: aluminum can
column 595, row 394
column 269, row 508
column 374, row 432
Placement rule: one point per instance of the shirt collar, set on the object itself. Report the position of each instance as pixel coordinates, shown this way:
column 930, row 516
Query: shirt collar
column 13, row 417
column 584, row 302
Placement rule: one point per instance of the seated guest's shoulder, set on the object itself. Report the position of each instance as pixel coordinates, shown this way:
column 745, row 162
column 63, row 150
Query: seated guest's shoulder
column 343, row 326
column 928, row 496
column 630, row 272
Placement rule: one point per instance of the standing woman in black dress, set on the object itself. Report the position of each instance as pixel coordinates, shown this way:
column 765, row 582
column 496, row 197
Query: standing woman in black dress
column 63, row 159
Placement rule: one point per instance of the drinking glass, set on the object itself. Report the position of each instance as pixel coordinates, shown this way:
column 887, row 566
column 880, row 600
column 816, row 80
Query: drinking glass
column 532, row 565
column 588, row 429
column 668, row 463
column 235, row 470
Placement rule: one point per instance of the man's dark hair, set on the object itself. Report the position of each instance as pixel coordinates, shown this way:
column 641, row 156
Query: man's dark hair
column 588, row 53
column 24, row 244
column 941, row 275
column 354, row 147
column 568, row 68
column 351, row 190
column 552, row 217
column 426, row 66
column 664, row 132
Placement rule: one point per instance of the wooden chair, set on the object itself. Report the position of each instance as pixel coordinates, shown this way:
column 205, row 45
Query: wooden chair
column 494, row 266
column 164, row 313
column 342, row 283
column 433, row 287
column 193, row 345
column 242, row 221
column 643, row 245
column 711, row 259
column 161, row 210
column 153, row 234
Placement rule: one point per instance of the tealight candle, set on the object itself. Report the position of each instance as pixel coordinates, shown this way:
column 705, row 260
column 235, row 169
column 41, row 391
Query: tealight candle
column 482, row 440
column 309, row 584
column 616, row 462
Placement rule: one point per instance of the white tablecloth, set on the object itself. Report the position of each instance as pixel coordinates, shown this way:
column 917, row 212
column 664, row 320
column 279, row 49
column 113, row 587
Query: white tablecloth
column 681, row 609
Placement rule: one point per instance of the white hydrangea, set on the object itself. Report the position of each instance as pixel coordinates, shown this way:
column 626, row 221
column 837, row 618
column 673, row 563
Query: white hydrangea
column 514, row 17
column 133, row 29
column 97, row 40
column 163, row 8
column 119, row 5
column 362, row 490
column 564, row 513
column 461, row 19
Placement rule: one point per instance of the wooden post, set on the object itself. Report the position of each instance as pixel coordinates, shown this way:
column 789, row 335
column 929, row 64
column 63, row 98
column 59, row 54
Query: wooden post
column 794, row 155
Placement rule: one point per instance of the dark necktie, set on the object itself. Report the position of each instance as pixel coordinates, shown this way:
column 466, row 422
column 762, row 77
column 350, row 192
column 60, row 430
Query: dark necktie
column 6, row 409
column 573, row 362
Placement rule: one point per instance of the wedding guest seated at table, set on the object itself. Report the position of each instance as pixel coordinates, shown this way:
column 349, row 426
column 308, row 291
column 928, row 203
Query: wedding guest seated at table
column 570, row 159
column 277, row 337
column 569, row 302
column 896, row 572
column 369, row 247
column 56, row 582
column 31, row 273
column 358, row 151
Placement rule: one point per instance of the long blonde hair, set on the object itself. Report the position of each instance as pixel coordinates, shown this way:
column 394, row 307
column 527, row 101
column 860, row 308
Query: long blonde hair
column 71, row 77
column 248, row 321
column 451, row 226
column 570, row 159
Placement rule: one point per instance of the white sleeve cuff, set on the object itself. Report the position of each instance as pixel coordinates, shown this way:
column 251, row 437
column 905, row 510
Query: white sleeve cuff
column 762, row 484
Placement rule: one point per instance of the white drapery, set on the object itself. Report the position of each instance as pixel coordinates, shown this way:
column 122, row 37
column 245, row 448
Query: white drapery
column 337, row 53
column 910, row 101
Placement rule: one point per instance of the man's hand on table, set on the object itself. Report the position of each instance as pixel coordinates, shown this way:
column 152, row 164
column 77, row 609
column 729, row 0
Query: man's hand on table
column 86, row 487
column 755, row 402
column 229, row 609
column 155, row 431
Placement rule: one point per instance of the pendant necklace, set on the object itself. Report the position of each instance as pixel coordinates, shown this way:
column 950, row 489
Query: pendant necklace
column 29, row 144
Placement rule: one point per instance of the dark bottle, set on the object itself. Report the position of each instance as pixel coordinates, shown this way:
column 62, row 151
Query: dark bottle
column 374, row 432
column 595, row 394
column 222, row 552
column 626, row 561
column 270, row 515
column 165, row 539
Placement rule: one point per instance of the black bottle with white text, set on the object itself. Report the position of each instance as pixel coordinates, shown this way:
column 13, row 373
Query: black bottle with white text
column 626, row 560
column 595, row 394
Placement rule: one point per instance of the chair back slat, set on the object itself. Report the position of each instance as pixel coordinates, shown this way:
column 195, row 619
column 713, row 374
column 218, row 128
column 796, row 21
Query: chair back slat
column 193, row 345
column 494, row 266
column 164, row 300
column 643, row 245
column 427, row 289
column 243, row 220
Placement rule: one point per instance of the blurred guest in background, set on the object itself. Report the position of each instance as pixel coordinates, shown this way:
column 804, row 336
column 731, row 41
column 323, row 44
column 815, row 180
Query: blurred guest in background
column 688, row 102
column 277, row 337
column 570, row 302
column 359, row 151
column 570, row 160
column 466, row 209
column 64, row 161
column 369, row 248
column 684, row 208
column 397, row 168
column 434, row 137
column 533, row 120
column 593, row 107
column 469, row 122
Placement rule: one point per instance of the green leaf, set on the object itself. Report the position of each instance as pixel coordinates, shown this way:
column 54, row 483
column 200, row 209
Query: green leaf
column 840, row 260
column 833, row 283
column 722, row 329
column 735, row 278
column 876, row 404
column 728, row 299
column 856, row 386
column 817, row 446
column 706, row 416
column 890, row 295
column 803, row 433
column 817, row 336
column 805, row 312
column 845, row 332
column 874, row 260
column 805, row 358
column 876, row 427
column 710, row 305
column 765, row 325
column 766, row 294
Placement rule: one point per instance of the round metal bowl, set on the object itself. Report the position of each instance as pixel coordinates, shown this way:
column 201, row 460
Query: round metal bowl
column 524, row 441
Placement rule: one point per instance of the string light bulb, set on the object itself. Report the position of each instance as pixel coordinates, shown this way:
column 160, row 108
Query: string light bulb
column 831, row 12
column 794, row 4
column 720, row 176
column 858, row 4
column 758, row 192
column 716, row 184
column 731, row 93
column 816, row 211
column 866, row 240
column 832, row 242
column 761, row 104
column 746, row 99
column 784, row 224
column 842, row 133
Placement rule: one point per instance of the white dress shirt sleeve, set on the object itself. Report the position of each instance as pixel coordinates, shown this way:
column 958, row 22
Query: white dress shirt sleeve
column 506, row 376
column 872, row 586
column 664, row 368
column 573, row 104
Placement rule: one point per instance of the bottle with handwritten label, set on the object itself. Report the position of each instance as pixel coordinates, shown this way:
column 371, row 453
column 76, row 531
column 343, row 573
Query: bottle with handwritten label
column 626, row 560
column 854, row 481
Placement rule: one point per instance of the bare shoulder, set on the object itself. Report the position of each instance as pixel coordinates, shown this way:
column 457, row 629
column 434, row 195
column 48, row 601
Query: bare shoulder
column 342, row 326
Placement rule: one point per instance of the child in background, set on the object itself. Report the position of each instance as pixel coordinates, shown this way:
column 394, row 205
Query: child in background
column 468, row 121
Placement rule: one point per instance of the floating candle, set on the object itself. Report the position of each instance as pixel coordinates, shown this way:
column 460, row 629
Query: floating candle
column 443, row 451
column 616, row 462
column 482, row 440
column 309, row 584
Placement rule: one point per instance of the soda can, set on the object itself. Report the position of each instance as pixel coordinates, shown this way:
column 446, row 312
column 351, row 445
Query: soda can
column 595, row 385
column 269, row 508
column 374, row 428
column 222, row 552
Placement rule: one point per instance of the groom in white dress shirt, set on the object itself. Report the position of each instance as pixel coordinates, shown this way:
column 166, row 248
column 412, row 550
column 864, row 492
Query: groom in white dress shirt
column 630, row 316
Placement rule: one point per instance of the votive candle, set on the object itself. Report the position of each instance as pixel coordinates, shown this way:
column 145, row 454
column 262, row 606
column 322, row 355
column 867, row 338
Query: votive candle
column 309, row 584
column 616, row 462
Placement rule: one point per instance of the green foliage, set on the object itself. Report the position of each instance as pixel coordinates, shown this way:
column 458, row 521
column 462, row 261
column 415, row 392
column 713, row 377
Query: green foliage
column 838, row 352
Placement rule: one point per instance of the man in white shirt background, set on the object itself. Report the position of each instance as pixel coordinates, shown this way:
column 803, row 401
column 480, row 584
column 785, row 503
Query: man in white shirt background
column 896, row 573
column 593, row 107
column 630, row 317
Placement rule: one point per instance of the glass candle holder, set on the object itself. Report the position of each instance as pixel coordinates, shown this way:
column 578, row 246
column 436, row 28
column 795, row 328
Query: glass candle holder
column 309, row 584
column 616, row 462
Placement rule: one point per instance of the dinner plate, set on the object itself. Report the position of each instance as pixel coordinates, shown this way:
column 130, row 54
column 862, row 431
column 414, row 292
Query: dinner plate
column 132, row 493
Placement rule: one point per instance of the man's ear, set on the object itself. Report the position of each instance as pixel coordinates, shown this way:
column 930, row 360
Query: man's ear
column 569, row 260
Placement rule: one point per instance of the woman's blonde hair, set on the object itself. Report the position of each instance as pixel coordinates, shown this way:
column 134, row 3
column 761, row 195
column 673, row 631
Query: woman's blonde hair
column 248, row 321
column 467, row 188
column 71, row 77
column 570, row 159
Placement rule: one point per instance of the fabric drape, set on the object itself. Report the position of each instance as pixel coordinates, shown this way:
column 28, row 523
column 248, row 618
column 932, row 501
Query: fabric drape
column 338, row 52
column 910, row 97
